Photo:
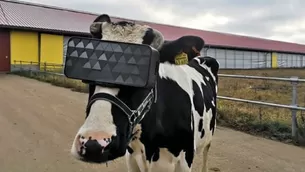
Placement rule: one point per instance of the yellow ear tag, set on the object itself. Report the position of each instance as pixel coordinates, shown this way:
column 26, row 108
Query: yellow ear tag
column 181, row 59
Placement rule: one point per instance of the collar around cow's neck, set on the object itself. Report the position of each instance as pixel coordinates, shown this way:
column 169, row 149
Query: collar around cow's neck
column 134, row 116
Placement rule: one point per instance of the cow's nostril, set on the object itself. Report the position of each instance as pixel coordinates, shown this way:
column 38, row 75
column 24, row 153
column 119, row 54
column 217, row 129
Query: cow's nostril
column 92, row 146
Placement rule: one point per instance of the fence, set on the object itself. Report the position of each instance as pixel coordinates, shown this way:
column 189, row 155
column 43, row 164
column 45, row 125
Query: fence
column 293, row 107
column 37, row 66
column 57, row 69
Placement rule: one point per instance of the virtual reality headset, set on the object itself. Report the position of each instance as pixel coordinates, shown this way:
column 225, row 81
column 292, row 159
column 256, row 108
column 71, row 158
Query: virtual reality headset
column 113, row 63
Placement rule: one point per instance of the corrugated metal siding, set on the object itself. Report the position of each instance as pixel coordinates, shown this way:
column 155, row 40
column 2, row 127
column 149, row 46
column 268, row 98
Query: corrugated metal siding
column 45, row 18
column 2, row 17
column 33, row 16
column 228, row 40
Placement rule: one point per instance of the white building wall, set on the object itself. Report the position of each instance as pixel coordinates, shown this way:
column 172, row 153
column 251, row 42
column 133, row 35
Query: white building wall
column 242, row 59
column 286, row 60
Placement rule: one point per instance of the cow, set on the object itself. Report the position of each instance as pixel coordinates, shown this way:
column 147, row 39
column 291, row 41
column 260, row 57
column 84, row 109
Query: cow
column 177, row 121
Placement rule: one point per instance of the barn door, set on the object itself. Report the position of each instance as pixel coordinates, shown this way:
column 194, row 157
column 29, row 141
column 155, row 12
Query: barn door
column 5, row 51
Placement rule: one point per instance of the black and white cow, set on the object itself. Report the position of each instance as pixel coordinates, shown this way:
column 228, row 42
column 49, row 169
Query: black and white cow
column 178, row 124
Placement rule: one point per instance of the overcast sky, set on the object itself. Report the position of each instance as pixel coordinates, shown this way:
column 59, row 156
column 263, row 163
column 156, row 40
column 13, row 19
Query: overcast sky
column 273, row 19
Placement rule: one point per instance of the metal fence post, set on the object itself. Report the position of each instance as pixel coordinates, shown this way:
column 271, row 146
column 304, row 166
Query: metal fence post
column 294, row 123
column 45, row 69
column 14, row 66
column 44, row 66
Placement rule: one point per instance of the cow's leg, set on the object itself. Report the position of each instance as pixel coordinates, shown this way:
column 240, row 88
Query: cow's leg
column 205, row 158
column 136, row 156
column 163, row 161
column 131, row 162
column 136, row 160
column 182, row 165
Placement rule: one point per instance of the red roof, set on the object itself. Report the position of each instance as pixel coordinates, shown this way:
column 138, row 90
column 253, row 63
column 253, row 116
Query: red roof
column 54, row 19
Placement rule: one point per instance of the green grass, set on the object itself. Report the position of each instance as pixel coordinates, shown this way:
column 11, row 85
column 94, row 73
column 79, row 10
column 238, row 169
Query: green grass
column 274, row 123
column 57, row 80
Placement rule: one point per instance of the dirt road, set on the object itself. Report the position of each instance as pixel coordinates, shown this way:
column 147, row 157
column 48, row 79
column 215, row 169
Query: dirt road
column 38, row 122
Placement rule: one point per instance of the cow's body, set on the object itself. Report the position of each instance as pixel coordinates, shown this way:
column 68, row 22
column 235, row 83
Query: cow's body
column 180, row 123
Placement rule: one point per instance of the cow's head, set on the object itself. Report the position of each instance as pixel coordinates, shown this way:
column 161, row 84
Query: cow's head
column 188, row 46
column 104, row 134
column 124, row 31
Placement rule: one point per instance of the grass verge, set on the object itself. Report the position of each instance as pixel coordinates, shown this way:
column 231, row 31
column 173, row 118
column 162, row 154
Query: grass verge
column 272, row 123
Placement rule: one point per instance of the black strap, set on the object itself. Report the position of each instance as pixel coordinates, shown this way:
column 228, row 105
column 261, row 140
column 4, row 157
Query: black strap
column 144, row 107
column 108, row 97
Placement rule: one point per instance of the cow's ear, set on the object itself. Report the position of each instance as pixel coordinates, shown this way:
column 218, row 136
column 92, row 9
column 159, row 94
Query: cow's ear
column 153, row 38
column 103, row 18
column 181, row 50
column 191, row 44
column 96, row 26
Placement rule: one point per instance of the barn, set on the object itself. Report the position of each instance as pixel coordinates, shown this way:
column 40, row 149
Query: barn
column 37, row 33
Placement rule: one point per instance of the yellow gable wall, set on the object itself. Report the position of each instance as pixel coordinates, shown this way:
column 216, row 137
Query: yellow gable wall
column 274, row 60
column 51, row 49
column 24, row 46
